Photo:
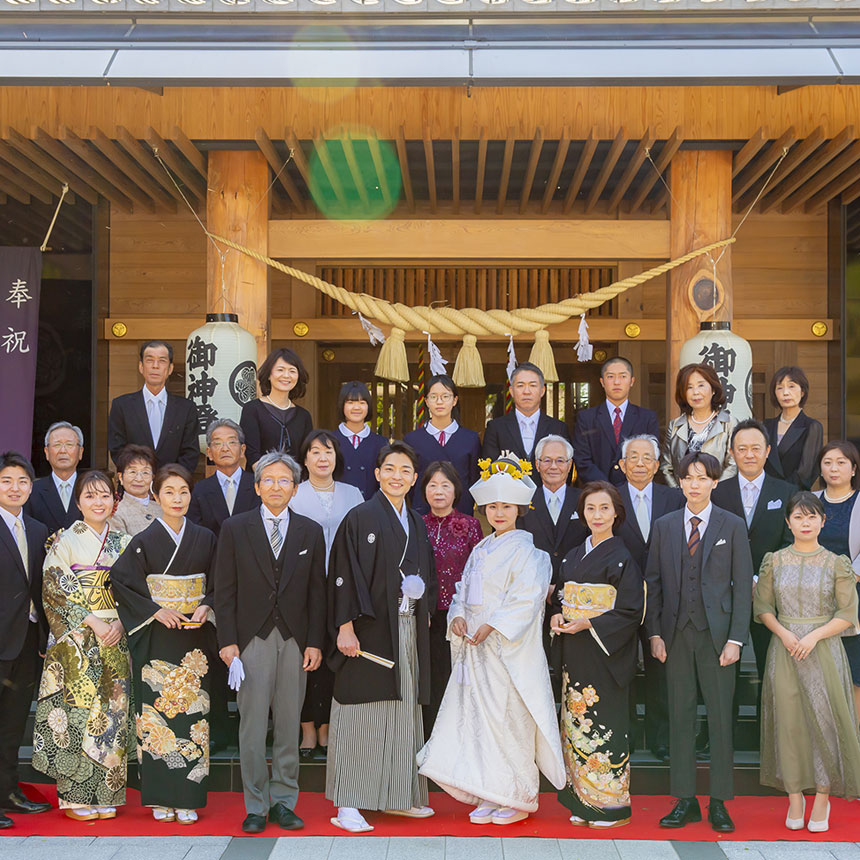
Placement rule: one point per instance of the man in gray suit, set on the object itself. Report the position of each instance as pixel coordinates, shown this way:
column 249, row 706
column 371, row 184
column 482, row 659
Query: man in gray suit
column 699, row 577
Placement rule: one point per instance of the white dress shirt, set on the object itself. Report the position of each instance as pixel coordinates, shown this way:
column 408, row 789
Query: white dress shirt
column 558, row 495
column 362, row 434
column 528, row 429
column 222, row 482
column 449, row 431
column 59, row 483
column 647, row 495
column 612, row 407
column 155, row 414
column 176, row 537
column 750, row 491
column 283, row 519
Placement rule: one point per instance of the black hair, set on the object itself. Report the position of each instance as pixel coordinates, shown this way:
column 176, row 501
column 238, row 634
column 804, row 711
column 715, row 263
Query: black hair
column 709, row 462
column 12, row 458
column 749, row 424
column 130, row 453
column 354, row 390
column 450, row 473
column 444, row 379
column 593, row 487
column 796, row 375
column 91, row 478
column 397, row 447
column 848, row 450
column 806, row 502
column 522, row 510
column 530, row 366
column 289, row 357
column 329, row 440
column 164, row 343
column 170, row 470
column 615, row 360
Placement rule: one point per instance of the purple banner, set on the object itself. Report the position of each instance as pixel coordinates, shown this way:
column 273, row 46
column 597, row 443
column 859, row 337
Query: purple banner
column 20, row 288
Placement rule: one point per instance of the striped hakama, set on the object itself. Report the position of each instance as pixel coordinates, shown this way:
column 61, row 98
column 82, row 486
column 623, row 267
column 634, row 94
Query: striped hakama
column 372, row 747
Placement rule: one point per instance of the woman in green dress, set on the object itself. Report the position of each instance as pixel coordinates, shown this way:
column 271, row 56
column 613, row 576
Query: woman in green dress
column 806, row 597
column 82, row 735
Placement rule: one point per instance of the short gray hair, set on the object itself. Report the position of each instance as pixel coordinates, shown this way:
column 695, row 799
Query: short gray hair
column 545, row 440
column 645, row 437
column 65, row 425
column 230, row 424
column 271, row 459
column 528, row 365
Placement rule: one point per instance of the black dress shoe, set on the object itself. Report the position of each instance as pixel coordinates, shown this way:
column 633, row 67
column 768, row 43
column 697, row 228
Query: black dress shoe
column 306, row 754
column 16, row 802
column 285, row 818
column 686, row 811
column 719, row 817
column 321, row 753
column 5, row 821
column 254, row 824
column 661, row 753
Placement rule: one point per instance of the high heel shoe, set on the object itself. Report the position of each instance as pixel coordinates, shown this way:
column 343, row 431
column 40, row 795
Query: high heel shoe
column 796, row 823
column 820, row 826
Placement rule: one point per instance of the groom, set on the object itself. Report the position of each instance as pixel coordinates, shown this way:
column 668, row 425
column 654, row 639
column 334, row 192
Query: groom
column 699, row 577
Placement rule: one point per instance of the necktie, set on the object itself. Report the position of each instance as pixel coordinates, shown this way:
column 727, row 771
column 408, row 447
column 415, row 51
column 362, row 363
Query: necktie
column 554, row 508
column 749, row 501
column 355, row 440
column 694, row 539
column 442, row 438
column 641, row 509
column 65, row 494
column 616, row 424
column 275, row 538
column 153, row 407
column 21, row 540
column 230, row 495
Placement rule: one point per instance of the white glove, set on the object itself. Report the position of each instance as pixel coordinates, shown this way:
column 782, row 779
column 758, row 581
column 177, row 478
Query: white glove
column 236, row 674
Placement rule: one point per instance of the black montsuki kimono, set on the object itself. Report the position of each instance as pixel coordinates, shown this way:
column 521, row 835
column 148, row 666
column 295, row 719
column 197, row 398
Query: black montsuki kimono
column 597, row 668
column 364, row 585
column 171, row 668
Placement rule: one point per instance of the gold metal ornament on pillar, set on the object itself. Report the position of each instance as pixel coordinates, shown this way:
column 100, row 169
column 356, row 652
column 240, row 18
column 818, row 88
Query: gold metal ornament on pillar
column 119, row 329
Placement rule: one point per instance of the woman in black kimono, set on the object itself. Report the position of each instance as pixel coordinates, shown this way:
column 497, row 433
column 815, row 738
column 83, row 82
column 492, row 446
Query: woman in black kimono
column 164, row 595
column 598, row 608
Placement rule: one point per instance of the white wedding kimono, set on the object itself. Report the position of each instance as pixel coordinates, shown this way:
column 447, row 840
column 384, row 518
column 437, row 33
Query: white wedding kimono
column 497, row 726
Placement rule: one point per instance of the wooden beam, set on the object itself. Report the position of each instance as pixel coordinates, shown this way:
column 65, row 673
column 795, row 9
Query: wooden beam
column 822, row 178
column 660, row 200
column 33, row 173
column 44, row 161
column 455, row 169
column 430, row 164
column 632, row 169
column 13, row 180
column 849, row 195
column 668, row 150
column 482, row 168
column 606, row 170
column 278, row 168
column 13, row 190
column 837, row 185
column 106, row 169
column 504, row 179
column 2, row 199
column 452, row 239
column 379, row 167
column 404, row 169
column 798, row 154
column 763, row 163
column 195, row 157
column 587, row 154
column 748, row 152
column 66, row 156
column 327, row 164
column 529, row 178
column 144, row 157
column 128, row 166
column 555, row 170
column 189, row 178
column 354, row 169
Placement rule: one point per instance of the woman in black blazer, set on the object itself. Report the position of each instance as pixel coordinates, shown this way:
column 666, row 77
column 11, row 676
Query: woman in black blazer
column 795, row 438
column 274, row 422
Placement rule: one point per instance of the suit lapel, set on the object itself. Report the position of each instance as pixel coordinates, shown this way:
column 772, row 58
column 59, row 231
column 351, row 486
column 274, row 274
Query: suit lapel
column 218, row 500
column 52, row 499
column 712, row 533
column 629, row 422
column 290, row 550
column 140, row 418
column 793, row 434
column 259, row 540
column 567, row 511
column 605, row 424
column 9, row 541
column 679, row 541
column 542, row 516
column 514, row 432
column 169, row 420
column 773, row 455
column 627, row 500
column 763, row 498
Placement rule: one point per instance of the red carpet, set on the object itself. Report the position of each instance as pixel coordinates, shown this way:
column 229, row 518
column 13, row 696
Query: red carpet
column 757, row 818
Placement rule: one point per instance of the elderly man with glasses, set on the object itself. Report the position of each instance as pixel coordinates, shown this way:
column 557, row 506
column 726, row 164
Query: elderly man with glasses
column 51, row 502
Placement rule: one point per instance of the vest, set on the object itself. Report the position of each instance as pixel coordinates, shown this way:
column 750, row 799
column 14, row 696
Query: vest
column 691, row 609
column 275, row 619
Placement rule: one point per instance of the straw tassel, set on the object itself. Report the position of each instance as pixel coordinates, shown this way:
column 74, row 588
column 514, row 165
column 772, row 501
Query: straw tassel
column 392, row 362
column 469, row 371
column 542, row 356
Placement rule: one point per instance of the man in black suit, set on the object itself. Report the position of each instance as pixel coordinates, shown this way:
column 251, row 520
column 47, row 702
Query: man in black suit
column 164, row 422
column 600, row 430
column 759, row 500
column 270, row 602
column 699, row 577
column 524, row 426
column 23, row 627
column 645, row 502
column 52, row 501
column 230, row 490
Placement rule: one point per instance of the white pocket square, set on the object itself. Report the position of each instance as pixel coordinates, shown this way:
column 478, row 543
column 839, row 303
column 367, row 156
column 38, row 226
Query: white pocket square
column 303, row 552
column 574, row 516
column 720, row 542
column 774, row 505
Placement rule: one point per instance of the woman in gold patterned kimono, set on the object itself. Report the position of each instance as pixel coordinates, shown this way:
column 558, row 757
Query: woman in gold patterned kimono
column 164, row 593
column 82, row 734
column 805, row 596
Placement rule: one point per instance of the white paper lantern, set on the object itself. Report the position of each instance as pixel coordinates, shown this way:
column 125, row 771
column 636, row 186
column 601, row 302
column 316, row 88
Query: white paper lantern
column 731, row 357
column 220, row 370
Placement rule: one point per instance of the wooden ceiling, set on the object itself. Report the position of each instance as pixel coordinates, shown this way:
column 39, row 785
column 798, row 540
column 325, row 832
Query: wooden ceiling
column 503, row 177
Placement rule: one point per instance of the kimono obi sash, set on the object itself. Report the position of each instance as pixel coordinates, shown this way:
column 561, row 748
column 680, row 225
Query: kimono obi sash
column 94, row 582
column 182, row 593
column 586, row 600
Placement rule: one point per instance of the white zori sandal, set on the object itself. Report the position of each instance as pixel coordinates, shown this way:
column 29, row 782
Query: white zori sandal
column 506, row 815
column 163, row 815
column 186, row 816
column 351, row 820
column 484, row 813
column 414, row 812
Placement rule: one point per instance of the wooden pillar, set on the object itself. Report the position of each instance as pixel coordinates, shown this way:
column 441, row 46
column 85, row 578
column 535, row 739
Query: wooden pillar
column 237, row 209
column 701, row 207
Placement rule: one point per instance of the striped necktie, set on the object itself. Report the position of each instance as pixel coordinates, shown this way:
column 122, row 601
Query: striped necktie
column 275, row 538
column 695, row 538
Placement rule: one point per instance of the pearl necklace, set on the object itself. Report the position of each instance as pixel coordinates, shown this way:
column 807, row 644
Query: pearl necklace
column 701, row 423
column 269, row 400
column 840, row 499
column 321, row 489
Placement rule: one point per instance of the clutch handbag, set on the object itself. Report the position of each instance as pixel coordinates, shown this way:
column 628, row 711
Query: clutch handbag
column 182, row 593
column 586, row 600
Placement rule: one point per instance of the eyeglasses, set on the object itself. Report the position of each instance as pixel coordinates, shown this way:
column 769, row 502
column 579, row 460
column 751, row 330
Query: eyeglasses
column 439, row 398
column 283, row 483
column 134, row 473
column 647, row 459
column 554, row 461
column 64, row 446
